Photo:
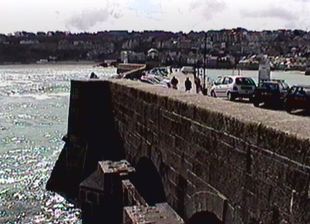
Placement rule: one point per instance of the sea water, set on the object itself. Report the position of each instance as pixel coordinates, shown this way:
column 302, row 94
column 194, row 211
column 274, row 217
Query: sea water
column 34, row 102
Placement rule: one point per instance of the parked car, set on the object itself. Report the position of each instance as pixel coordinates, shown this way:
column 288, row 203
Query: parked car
column 187, row 69
column 233, row 87
column 271, row 93
column 298, row 97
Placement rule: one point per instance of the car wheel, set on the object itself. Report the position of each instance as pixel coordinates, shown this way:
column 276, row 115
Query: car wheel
column 251, row 99
column 288, row 108
column 230, row 96
column 213, row 94
column 255, row 103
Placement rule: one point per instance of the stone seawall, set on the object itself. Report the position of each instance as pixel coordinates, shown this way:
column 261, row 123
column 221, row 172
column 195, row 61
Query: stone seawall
column 234, row 160
column 231, row 160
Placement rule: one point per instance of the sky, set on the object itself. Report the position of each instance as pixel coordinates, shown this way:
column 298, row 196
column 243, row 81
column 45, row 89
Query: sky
column 138, row 15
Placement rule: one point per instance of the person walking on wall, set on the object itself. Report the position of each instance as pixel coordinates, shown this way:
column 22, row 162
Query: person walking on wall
column 93, row 76
column 188, row 85
column 174, row 82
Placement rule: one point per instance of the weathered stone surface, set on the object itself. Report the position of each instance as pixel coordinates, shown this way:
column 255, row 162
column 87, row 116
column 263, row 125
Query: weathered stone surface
column 131, row 196
column 100, row 195
column 252, row 156
column 158, row 214
column 247, row 165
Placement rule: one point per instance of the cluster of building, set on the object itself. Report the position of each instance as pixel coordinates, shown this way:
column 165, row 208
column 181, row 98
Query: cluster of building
column 287, row 49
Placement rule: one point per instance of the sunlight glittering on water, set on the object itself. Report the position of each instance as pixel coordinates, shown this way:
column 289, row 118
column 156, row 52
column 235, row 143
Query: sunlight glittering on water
column 33, row 119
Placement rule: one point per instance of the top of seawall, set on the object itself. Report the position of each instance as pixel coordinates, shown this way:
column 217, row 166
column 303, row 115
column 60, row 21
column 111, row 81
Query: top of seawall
column 274, row 131
column 278, row 120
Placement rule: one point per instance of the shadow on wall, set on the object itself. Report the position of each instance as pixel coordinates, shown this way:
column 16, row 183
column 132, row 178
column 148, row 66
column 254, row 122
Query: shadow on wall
column 148, row 182
column 92, row 136
column 204, row 218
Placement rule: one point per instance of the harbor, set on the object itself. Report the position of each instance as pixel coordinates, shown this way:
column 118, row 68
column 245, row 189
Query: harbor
column 30, row 143
column 155, row 111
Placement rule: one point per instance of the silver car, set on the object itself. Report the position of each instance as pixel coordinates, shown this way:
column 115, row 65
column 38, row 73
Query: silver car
column 232, row 87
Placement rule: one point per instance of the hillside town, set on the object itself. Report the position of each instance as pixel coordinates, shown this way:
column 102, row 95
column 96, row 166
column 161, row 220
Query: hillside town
column 227, row 48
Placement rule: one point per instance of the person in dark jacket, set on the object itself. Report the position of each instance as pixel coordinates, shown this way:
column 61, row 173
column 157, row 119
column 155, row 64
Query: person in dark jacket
column 93, row 76
column 174, row 82
column 188, row 85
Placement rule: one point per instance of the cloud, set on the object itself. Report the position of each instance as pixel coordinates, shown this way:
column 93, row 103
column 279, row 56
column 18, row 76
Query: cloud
column 148, row 8
column 273, row 12
column 208, row 8
column 291, row 25
column 89, row 18
column 194, row 5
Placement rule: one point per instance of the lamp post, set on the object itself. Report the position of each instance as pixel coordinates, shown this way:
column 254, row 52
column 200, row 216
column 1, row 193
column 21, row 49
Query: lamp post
column 204, row 90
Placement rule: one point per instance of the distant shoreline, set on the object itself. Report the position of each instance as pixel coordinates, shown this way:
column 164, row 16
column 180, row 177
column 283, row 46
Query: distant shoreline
column 70, row 62
column 95, row 63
